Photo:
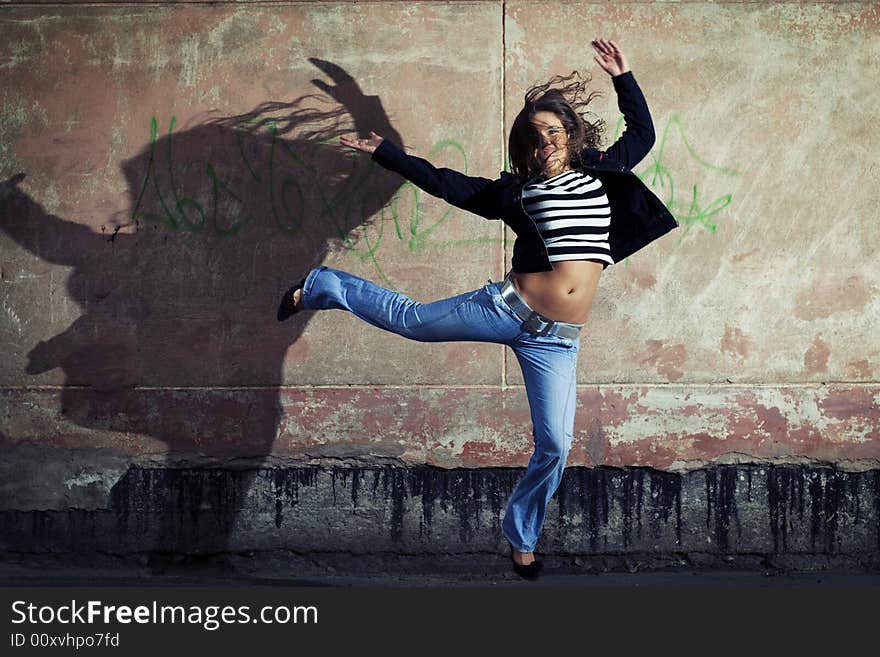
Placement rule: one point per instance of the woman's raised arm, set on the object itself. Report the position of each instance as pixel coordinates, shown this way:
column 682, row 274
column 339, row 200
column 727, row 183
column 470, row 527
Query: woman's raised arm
column 638, row 136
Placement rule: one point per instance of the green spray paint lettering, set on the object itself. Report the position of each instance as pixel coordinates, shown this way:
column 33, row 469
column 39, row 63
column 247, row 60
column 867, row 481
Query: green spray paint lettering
column 410, row 229
column 690, row 211
column 350, row 203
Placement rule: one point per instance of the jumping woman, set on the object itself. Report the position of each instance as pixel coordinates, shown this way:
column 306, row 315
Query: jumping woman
column 575, row 210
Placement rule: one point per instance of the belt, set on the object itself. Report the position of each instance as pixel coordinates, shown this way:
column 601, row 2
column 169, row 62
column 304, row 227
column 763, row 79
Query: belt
column 535, row 322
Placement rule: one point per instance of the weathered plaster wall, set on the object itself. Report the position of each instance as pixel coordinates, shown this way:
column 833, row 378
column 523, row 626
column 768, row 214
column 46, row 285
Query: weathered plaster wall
column 182, row 169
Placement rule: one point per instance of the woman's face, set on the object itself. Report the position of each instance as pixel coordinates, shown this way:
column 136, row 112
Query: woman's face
column 552, row 149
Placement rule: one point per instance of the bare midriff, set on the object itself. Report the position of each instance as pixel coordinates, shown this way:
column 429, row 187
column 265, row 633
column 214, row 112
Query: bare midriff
column 564, row 294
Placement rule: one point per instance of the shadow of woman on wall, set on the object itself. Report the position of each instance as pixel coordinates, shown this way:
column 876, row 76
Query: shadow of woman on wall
column 178, row 339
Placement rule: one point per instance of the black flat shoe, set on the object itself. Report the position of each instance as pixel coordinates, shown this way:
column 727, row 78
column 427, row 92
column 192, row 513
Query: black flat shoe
column 530, row 571
column 287, row 308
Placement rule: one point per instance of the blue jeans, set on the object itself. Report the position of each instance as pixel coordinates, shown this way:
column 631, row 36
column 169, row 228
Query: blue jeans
column 548, row 365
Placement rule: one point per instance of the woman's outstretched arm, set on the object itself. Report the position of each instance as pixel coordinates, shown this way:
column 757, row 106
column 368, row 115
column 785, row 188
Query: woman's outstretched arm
column 638, row 137
column 469, row 193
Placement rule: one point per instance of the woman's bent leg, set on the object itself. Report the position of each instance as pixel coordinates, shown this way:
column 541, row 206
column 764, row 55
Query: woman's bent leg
column 474, row 316
column 549, row 370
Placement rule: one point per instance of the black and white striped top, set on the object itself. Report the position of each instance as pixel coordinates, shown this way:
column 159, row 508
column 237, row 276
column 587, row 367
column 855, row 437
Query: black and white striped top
column 573, row 216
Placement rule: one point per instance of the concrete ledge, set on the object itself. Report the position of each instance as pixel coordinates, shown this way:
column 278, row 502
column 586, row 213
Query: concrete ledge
column 796, row 517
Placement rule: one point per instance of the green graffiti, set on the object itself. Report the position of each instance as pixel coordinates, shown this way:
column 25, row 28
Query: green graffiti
column 691, row 210
column 168, row 219
column 183, row 212
column 410, row 230
column 349, row 206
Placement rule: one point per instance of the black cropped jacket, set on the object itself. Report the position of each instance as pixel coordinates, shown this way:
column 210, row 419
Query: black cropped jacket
column 638, row 217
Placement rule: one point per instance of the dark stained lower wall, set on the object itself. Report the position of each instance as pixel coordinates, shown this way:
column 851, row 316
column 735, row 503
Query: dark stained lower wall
column 804, row 513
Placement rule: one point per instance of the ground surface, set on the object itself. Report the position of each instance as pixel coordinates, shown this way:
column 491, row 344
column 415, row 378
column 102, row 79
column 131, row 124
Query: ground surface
column 449, row 571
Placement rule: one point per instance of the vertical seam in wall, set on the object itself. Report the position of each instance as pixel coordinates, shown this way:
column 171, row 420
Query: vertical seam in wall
column 503, row 227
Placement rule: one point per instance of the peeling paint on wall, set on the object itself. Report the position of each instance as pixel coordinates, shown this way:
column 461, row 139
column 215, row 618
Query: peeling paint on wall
column 816, row 357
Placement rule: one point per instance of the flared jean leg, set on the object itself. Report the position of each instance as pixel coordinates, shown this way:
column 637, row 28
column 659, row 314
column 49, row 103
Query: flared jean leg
column 550, row 374
column 548, row 365
column 479, row 315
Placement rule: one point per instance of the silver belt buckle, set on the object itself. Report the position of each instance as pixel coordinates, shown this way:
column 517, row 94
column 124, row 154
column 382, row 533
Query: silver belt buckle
column 533, row 322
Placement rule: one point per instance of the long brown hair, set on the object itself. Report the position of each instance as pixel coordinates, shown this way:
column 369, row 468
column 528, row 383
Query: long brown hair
column 567, row 97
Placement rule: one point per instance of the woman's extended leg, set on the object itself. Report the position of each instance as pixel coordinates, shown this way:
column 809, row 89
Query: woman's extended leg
column 479, row 315
column 549, row 370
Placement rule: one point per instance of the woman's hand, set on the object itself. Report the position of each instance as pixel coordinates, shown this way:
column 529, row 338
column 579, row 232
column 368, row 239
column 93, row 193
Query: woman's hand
column 367, row 145
column 610, row 57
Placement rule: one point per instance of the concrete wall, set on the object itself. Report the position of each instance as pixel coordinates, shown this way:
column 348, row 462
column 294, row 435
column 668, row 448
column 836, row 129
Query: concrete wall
column 182, row 169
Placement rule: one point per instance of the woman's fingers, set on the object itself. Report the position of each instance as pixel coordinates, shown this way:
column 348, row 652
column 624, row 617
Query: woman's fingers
column 352, row 143
column 606, row 46
column 603, row 49
column 609, row 56
column 366, row 145
column 604, row 52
